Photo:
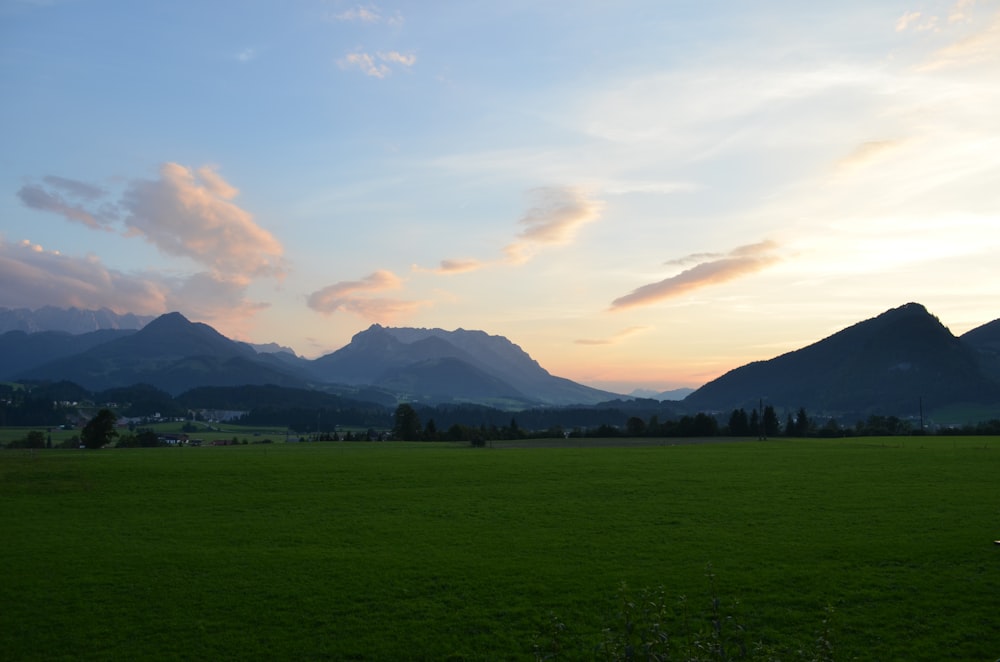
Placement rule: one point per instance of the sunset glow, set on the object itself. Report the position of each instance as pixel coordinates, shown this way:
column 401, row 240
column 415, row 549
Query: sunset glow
column 639, row 194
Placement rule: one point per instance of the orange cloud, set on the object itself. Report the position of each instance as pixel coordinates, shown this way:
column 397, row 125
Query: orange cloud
column 977, row 48
column 448, row 267
column 554, row 219
column 616, row 338
column 867, row 153
column 352, row 296
column 738, row 262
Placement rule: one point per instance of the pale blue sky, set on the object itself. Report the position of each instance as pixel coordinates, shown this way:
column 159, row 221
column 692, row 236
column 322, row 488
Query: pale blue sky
column 637, row 193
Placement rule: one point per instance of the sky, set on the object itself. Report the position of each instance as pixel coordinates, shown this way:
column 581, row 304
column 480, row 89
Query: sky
column 640, row 194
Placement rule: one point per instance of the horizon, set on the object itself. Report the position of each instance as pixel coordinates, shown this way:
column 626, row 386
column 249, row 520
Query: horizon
column 640, row 196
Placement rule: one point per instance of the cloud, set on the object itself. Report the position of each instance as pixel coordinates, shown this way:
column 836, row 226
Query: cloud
column 916, row 21
column 867, row 153
column 41, row 277
column 958, row 12
column 75, row 188
column 368, row 14
column 37, row 277
column 215, row 299
column 376, row 66
column 448, row 267
column 189, row 214
column 42, row 199
column 978, row 48
column 616, row 338
column 354, row 297
column 738, row 262
column 555, row 217
column 407, row 60
column 246, row 55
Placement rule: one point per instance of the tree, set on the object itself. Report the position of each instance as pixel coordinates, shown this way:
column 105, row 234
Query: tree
column 635, row 426
column 739, row 425
column 406, row 424
column 99, row 430
column 802, row 423
column 771, row 423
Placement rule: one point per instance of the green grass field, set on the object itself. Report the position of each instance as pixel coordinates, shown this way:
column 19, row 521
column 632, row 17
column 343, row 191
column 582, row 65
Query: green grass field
column 378, row 551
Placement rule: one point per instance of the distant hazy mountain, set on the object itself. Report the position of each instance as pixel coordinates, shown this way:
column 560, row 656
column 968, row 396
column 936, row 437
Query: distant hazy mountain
column 69, row 320
column 490, row 366
column 272, row 348
column 885, row 364
column 673, row 394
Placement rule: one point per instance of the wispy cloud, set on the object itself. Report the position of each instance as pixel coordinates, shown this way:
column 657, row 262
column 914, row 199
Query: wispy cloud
column 554, row 218
column 982, row 46
column 246, row 55
column 740, row 261
column 355, row 296
column 616, row 338
column 448, row 267
column 916, row 21
column 376, row 66
column 866, row 154
column 368, row 14
column 51, row 196
column 76, row 188
column 959, row 12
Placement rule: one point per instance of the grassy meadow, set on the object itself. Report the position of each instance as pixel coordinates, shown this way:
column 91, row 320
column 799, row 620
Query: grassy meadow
column 881, row 549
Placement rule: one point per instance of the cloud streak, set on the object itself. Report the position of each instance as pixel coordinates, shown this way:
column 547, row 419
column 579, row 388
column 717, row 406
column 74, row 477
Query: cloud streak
column 450, row 267
column 376, row 66
column 616, row 338
column 370, row 14
column 38, row 197
column 741, row 261
column 354, row 296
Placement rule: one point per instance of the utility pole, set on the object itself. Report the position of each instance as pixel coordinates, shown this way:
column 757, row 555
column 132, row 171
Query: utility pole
column 921, row 414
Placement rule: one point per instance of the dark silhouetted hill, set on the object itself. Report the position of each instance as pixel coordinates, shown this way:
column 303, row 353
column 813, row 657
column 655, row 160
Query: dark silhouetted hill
column 885, row 364
column 170, row 353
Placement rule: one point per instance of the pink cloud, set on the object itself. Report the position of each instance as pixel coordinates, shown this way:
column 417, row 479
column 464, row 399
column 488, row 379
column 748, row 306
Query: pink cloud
column 355, row 297
column 740, row 261
column 189, row 214
column 35, row 277
column 38, row 277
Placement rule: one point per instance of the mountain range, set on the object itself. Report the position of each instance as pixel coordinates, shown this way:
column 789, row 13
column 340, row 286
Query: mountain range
column 176, row 355
column 895, row 363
